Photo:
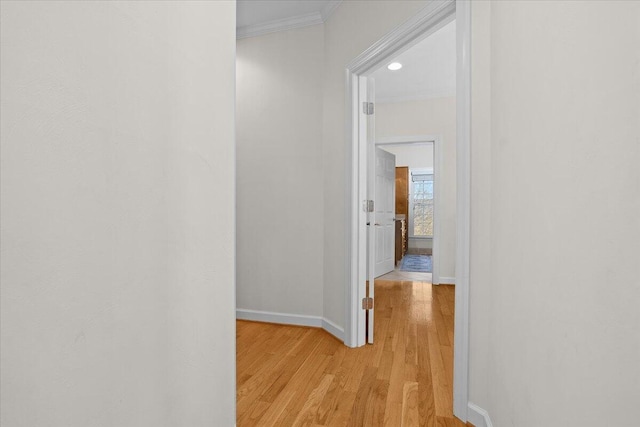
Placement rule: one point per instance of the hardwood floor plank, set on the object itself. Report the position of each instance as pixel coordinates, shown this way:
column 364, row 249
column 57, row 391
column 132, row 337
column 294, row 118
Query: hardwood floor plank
column 356, row 371
column 340, row 417
column 447, row 359
column 444, row 303
column 379, row 398
column 329, row 402
column 410, row 372
column 410, row 416
column 251, row 389
column 290, row 375
column 426, row 403
column 411, row 353
column 307, row 414
column 259, row 409
column 291, row 364
column 276, row 409
column 449, row 422
column 304, row 383
column 360, row 411
column 393, row 415
column 441, row 328
column 442, row 398
column 386, row 363
column 396, row 381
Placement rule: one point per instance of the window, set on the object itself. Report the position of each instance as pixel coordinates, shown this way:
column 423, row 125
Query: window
column 421, row 199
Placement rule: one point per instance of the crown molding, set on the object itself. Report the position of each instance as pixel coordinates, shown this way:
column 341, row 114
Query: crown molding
column 328, row 10
column 291, row 23
column 299, row 21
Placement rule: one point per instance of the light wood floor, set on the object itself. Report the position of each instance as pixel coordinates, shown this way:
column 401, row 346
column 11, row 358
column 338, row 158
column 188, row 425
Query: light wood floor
column 288, row 375
column 412, row 276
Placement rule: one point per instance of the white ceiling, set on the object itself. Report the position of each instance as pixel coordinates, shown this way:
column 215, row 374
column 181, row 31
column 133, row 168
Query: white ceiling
column 257, row 17
column 428, row 70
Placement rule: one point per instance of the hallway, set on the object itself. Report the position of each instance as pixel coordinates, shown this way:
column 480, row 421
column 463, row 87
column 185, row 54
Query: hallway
column 289, row 375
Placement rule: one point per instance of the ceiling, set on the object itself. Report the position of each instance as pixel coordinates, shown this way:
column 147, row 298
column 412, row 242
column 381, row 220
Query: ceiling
column 257, row 17
column 428, row 70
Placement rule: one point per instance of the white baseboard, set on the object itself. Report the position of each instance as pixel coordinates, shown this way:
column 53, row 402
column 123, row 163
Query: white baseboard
column 291, row 319
column 333, row 329
column 283, row 318
column 447, row 280
column 478, row 416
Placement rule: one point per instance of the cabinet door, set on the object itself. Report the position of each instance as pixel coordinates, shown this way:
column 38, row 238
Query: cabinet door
column 402, row 190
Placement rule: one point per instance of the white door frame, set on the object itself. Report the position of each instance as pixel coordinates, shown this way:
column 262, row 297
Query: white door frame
column 434, row 16
column 438, row 163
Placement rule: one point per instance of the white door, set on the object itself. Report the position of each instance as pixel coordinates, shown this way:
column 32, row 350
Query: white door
column 385, row 207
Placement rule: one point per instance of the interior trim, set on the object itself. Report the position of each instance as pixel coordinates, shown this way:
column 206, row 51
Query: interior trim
column 293, row 22
column 291, row 319
column 300, row 21
column 478, row 416
column 329, row 9
column 463, row 209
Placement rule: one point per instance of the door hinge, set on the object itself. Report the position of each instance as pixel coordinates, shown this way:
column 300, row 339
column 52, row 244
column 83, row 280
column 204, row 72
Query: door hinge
column 367, row 108
column 367, row 303
column 367, row 205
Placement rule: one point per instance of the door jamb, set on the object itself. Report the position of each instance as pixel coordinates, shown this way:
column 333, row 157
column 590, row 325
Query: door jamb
column 435, row 15
column 438, row 162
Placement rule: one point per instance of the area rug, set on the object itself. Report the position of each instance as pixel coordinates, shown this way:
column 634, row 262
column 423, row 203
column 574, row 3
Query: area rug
column 418, row 263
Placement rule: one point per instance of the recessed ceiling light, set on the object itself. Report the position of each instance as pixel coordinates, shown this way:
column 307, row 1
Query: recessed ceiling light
column 394, row 66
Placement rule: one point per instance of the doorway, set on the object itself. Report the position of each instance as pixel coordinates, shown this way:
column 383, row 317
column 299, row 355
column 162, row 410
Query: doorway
column 419, row 163
column 433, row 17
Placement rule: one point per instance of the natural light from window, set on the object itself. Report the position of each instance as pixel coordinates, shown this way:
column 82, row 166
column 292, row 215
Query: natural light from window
column 422, row 198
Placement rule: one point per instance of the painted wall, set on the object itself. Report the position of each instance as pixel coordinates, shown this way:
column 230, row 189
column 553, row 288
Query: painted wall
column 435, row 116
column 555, row 320
column 413, row 156
column 117, row 189
column 280, row 197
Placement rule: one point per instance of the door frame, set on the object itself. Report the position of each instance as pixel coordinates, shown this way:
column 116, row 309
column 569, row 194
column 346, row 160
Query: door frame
column 438, row 164
column 431, row 18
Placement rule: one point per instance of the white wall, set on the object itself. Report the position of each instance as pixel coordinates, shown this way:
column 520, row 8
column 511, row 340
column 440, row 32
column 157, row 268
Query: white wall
column 435, row 116
column 557, row 338
column 280, row 197
column 117, row 214
column 418, row 156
